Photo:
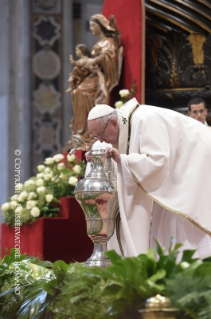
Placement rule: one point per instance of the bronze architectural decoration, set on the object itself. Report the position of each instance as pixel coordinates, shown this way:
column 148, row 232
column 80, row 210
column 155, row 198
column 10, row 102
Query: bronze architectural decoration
column 92, row 79
column 178, row 45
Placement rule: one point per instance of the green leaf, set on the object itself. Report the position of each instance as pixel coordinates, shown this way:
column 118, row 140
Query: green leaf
column 117, row 308
column 91, row 278
column 32, row 259
column 177, row 247
column 160, row 274
column 187, row 256
column 160, row 249
column 189, row 271
column 154, row 288
column 147, row 266
column 12, row 311
column 111, row 289
column 49, row 287
column 6, row 293
column 46, row 264
column 60, row 265
column 151, row 253
column 32, row 305
column 60, row 269
column 8, row 259
column 113, row 256
column 106, row 274
column 168, row 262
column 29, row 279
column 203, row 270
column 122, row 293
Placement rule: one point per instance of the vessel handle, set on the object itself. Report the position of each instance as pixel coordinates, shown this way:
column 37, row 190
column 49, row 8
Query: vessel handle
column 109, row 174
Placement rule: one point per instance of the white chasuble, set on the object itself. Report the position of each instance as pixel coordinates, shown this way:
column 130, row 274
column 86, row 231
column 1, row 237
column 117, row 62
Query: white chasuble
column 169, row 157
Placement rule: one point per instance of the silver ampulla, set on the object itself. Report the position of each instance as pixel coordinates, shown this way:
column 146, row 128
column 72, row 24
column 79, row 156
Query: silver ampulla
column 97, row 196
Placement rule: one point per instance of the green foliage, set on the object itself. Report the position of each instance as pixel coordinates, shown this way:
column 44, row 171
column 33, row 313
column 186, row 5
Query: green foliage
column 190, row 290
column 61, row 291
column 80, row 295
column 132, row 280
column 23, row 297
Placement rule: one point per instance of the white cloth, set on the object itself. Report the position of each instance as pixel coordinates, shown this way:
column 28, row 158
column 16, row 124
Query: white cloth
column 96, row 146
column 99, row 110
column 167, row 225
column 169, row 158
column 205, row 123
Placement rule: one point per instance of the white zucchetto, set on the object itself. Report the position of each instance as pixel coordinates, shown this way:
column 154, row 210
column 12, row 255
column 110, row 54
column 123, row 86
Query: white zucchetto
column 100, row 110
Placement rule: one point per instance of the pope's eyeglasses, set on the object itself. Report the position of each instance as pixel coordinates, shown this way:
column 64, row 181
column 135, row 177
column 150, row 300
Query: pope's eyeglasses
column 101, row 135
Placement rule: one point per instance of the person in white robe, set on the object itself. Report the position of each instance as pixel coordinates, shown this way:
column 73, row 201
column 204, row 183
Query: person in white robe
column 163, row 173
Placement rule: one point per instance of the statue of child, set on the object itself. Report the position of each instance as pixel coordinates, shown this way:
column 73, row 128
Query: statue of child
column 80, row 71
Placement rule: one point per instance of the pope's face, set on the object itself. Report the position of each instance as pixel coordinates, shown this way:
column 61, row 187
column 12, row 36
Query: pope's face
column 198, row 112
column 107, row 132
column 94, row 27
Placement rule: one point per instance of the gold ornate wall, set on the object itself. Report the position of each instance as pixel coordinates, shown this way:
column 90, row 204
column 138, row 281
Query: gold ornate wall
column 178, row 63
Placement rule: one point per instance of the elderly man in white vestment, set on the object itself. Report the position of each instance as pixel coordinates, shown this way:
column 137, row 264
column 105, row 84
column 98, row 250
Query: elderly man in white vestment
column 163, row 172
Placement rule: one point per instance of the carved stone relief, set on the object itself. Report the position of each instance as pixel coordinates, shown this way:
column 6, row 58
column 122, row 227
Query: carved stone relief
column 47, row 136
column 46, row 98
column 49, row 6
column 46, row 30
column 46, row 64
column 47, row 89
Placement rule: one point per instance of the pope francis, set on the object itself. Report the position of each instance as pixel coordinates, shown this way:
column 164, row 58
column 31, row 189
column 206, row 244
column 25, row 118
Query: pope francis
column 163, row 162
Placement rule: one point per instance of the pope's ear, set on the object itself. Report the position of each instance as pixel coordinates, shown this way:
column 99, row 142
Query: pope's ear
column 114, row 122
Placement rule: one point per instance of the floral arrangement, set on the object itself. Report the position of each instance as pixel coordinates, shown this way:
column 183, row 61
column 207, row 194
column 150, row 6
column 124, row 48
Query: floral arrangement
column 39, row 196
column 32, row 289
column 126, row 95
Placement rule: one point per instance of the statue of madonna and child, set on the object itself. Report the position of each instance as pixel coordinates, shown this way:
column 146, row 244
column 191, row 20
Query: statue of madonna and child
column 93, row 78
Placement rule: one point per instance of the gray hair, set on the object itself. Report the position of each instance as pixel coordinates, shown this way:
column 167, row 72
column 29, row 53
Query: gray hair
column 104, row 119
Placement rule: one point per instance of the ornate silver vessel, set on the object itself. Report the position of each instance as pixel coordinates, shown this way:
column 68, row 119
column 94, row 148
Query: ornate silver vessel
column 76, row 143
column 97, row 196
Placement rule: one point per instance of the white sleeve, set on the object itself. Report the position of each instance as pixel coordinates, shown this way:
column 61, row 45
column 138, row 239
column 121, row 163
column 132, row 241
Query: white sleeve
column 127, row 177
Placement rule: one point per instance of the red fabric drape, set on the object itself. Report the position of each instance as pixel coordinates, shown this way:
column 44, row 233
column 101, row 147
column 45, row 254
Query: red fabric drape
column 64, row 237
column 130, row 19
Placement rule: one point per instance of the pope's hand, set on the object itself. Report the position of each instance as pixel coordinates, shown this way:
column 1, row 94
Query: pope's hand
column 113, row 153
column 88, row 157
